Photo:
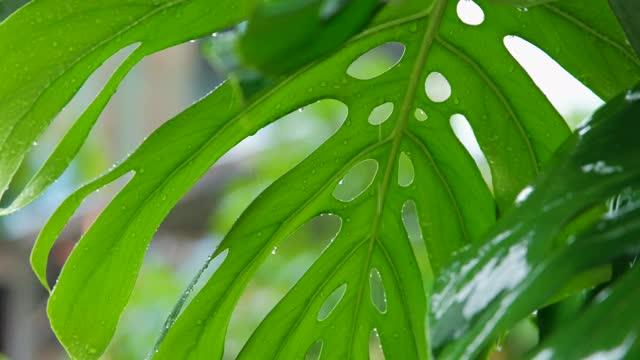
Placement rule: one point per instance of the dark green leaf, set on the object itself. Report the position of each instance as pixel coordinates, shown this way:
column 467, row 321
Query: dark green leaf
column 628, row 12
column 519, row 269
column 608, row 329
column 273, row 46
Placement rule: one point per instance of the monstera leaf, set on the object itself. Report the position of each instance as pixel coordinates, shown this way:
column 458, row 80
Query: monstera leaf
column 448, row 67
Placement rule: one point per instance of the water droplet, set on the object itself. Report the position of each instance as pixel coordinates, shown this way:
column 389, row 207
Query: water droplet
column 420, row 115
column 274, row 251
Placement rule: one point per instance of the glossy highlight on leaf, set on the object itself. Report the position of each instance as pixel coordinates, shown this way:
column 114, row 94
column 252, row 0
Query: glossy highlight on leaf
column 519, row 268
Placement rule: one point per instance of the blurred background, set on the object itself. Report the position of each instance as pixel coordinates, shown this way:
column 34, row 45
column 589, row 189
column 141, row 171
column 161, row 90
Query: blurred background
column 158, row 88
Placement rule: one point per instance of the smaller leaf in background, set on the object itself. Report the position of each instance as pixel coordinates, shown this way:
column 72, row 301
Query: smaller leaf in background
column 221, row 52
column 320, row 27
column 521, row 266
column 628, row 13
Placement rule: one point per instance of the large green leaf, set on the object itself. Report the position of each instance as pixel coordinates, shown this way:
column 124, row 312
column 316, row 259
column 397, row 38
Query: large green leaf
column 515, row 125
column 512, row 121
column 520, row 268
column 628, row 12
column 48, row 51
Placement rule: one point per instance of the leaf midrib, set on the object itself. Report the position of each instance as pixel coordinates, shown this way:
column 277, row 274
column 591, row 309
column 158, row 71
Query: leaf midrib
column 436, row 14
column 238, row 117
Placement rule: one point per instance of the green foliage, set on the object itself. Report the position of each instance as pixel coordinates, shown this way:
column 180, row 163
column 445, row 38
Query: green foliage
column 627, row 12
column 520, row 268
column 321, row 26
column 448, row 67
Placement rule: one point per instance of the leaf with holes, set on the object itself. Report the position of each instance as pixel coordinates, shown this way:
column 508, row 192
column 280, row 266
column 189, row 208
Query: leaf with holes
column 396, row 146
column 396, row 150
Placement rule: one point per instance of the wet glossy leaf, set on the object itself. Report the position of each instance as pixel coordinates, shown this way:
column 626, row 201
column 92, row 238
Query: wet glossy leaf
column 608, row 329
column 371, row 235
column 521, row 268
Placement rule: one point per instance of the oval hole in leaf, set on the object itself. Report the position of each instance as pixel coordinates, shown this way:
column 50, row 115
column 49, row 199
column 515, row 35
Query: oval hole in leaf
column 405, row 170
column 437, row 87
column 356, row 181
column 376, row 61
column 375, row 346
column 411, row 224
column 378, row 295
column 381, row 113
column 470, row 13
column 420, row 115
column 314, row 352
column 332, row 302
column 465, row 134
